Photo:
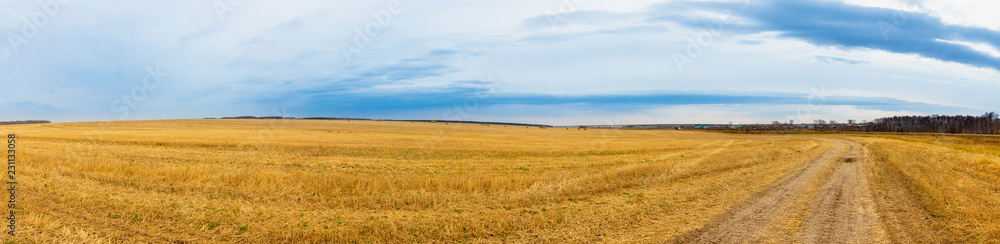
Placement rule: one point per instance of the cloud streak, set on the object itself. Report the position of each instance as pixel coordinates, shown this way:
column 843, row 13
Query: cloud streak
column 599, row 58
column 838, row 24
column 369, row 104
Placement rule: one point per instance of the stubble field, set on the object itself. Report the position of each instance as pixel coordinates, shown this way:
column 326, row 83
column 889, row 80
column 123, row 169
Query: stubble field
column 266, row 181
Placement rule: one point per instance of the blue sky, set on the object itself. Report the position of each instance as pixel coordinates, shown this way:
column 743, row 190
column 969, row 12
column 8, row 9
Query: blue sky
column 560, row 62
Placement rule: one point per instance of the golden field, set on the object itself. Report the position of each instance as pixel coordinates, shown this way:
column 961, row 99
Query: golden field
column 938, row 188
column 299, row 181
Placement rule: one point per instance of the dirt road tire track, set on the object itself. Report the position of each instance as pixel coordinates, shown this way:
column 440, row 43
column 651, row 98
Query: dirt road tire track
column 844, row 210
column 841, row 212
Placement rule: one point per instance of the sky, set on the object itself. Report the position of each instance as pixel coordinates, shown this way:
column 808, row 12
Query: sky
column 557, row 62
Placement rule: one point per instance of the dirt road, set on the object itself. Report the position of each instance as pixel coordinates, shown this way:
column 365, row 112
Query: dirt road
column 824, row 201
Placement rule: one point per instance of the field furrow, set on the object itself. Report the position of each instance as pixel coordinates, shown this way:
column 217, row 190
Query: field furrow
column 217, row 181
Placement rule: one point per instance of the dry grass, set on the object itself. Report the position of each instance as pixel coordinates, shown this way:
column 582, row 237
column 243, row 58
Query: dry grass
column 935, row 188
column 383, row 182
column 254, row 181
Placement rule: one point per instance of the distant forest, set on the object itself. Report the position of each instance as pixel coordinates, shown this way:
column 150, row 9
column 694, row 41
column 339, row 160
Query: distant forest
column 21, row 122
column 988, row 123
column 255, row 117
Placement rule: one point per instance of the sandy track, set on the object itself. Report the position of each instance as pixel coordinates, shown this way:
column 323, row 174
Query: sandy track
column 838, row 206
column 844, row 210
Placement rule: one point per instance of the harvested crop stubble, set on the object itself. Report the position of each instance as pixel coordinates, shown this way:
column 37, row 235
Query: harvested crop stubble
column 369, row 181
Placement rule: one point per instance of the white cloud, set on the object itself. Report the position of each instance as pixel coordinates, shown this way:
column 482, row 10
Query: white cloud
column 692, row 114
column 95, row 51
column 987, row 49
column 977, row 13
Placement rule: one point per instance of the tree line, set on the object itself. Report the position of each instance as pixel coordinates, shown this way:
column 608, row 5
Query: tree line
column 22, row 122
column 255, row 117
column 988, row 123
